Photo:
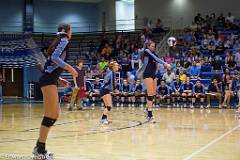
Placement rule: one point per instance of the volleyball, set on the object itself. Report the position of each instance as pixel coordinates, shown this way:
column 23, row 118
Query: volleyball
column 171, row 41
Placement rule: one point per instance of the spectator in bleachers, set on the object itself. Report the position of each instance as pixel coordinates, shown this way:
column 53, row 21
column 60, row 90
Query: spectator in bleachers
column 216, row 63
column 96, row 90
column 106, row 51
column 228, row 44
column 211, row 46
column 187, row 92
column 126, row 64
column 168, row 76
column 221, row 19
column 198, row 92
column 182, row 76
column 213, row 20
column 194, row 70
column 231, row 64
column 230, row 17
column 236, row 45
column 163, row 93
column 227, row 57
column 176, row 91
column 80, row 87
column 168, row 58
column 159, row 26
column 214, row 90
column 103, row 64
column 136, row 58
column 198, row 19
column 237, row 57
column 139, row 92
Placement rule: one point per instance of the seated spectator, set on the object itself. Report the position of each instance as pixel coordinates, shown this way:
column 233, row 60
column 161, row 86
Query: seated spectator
column 167, row 58
column 194, row 70
column 236, row 45
column 198, row 92
column 237, row 57
column 96, row 91
column 182, row 76
column 228, row 94
column 214, row 90
column 231, row 64
column 226, row 78
column 106, row 51
column 139, row 92
column 217, row 63
column 187, row 92
column 211, row 46
column 168, row 76
column 103, row 64
column 125, row 93
column 176, row 91
column 163, row 93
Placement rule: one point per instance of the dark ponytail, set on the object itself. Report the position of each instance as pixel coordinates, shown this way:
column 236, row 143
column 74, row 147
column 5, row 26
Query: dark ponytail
column 62, row 32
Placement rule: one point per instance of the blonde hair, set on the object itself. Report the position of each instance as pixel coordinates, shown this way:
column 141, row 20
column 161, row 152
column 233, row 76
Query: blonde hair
column 112, row 64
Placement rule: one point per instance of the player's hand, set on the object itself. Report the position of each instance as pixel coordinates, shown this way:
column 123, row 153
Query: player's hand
column 64, row 82
column 168, row 66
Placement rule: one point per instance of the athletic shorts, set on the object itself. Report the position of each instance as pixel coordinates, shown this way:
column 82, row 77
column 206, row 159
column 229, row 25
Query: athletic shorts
column 104, row 91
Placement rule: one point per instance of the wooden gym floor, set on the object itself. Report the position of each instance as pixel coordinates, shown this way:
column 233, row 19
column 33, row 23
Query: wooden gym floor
column 179, row 134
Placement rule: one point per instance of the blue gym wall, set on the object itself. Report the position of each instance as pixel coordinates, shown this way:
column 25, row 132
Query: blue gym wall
column 11, row 15
column 50, row 13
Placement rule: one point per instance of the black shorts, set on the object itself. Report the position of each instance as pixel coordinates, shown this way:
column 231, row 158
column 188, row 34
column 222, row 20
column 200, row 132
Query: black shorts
column 153, row 76
column 47, row 79
column 104, row 91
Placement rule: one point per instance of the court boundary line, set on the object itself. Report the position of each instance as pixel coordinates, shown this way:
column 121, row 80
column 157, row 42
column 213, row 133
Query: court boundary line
column 212, row 142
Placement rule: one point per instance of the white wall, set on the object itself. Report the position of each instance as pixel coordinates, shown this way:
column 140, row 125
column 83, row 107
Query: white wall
column 11, row 16
column 83, row 17
column 179, row 13
column 125, row 15
column 107, row 6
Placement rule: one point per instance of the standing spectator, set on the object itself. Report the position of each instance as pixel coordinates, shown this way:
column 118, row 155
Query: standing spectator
column 159, row 26
column 80, row 87
column 136, row 58
column 230, row 17
column 106, row 51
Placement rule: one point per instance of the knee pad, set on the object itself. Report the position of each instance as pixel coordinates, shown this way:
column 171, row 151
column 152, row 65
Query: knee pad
column 48, row 122
column 108, row 108
column 150, row 98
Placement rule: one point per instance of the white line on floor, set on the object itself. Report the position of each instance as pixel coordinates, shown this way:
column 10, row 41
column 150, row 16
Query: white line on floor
column 211, row 143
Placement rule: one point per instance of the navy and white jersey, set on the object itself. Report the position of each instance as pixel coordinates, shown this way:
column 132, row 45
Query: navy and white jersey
column 150, row 60
column 213, row 88
column 109, row 81
column 188, row 86
column 126, row 88
column 163, row 90
column 198, row 89
column 177, row 86
column 138, row 88
column 58, row 57
column 97, row 85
